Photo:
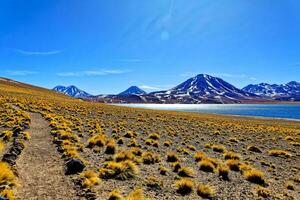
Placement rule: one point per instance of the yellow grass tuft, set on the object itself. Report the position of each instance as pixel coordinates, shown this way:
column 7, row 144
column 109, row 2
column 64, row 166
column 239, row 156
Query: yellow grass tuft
column 163, row 170
column 150, row 158
column 111, row 147
column 233, row 165
column 263, row 192
column 199, row 156
column 7, row 176
column 232, row 155
column 115, row 195
column 90, row 179
column 2, row 146
column 119, row 170
column 8, row 194
column 255, row 176
column 205, row 191
column 206, row 165
column 136, row 195
column 218, row 148
column 98, row 140
column 6, row 135
column 279, row 153
column 289, row 185
column 172, row 157
column 223, row 171
column 186, row 172
column 154, row 136
column 184, row 186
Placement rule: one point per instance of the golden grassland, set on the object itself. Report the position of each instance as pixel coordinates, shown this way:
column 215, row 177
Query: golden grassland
column 144, row 154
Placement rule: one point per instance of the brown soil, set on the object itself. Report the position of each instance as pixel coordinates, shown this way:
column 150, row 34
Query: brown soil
column 40, row 168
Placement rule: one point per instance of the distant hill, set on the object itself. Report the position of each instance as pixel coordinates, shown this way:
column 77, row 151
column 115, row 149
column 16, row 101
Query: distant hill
column 133, row 90
column 72, row 91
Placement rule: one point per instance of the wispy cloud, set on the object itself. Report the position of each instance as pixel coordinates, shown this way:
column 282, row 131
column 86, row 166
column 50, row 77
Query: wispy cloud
column 20, row 72
column 148, row 87
column 37, row 53
column 155, row 87
column 93, row 73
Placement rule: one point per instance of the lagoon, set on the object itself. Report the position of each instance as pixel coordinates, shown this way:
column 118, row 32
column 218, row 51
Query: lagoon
column 284, row 111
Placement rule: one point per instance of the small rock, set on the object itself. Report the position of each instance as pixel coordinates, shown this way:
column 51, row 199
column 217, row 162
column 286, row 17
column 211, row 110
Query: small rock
column 74, row 166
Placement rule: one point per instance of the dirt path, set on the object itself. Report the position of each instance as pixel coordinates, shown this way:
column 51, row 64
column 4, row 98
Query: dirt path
column 40, row 168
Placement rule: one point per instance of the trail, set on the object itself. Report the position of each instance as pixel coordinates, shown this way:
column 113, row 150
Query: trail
column 40, row 167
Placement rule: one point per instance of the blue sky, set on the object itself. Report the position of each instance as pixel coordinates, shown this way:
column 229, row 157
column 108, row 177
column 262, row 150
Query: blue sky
column 107, row 46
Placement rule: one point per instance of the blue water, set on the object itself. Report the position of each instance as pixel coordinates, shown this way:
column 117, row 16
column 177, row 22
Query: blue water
column 286, row 111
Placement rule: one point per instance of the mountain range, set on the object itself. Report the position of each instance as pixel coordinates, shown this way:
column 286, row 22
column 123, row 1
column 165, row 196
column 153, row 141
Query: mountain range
column 288, row 91
column 202, row 88
column 72, row 91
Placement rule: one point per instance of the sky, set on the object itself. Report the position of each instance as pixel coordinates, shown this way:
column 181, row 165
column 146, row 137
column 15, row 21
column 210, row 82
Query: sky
column 105, row 46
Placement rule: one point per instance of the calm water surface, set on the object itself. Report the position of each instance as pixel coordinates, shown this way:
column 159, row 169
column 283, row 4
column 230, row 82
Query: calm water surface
column 287, row 111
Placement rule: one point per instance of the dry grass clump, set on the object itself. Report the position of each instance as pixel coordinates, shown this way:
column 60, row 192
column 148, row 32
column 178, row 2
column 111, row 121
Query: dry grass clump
column 130, row 134
column 207, row 165
column 120, row 141
column 7, row 194
column 176, row 166
column 233, row 139
column 254, row 149
column 184, row 186
column 289, row 185
column 233, row 165
column 172, row 157
column 115, row 195
column 119, row 170
column 136, row 195
column 111, row 147
column 199, row 156
column 230, row 155
column 90, row 179
column 167, row 143
column 136, row 151
column 152, row 142
column 97, row 140
column 150, row 158
column 205, row 191
column 218, row 148
column 263, row 192
column 6, row 135
column 192, row 148
column 7, row 177
column 223, row 171
column 186, row 172
column 132, row 143
column 279, row 153
column 154, row 183
column 255, row 176
column 154, row 136
column 2, row 146
column 124, row 155
column 163, row 170
column 26, row 135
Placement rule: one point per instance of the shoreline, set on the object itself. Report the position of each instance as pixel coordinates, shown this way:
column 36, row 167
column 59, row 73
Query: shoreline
column 213, row 113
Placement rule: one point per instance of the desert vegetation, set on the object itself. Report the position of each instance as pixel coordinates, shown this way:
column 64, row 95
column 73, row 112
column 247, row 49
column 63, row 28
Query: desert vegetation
column 125, row 153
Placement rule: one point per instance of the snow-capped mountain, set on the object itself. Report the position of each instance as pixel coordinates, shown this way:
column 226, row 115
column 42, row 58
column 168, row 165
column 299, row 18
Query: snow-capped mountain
column 72, row 91
column 290, row 89
column 133, row 90
column 204, row 88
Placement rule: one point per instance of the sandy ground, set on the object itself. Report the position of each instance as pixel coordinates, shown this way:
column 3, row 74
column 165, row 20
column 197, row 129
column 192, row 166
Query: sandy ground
column 40, row 167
